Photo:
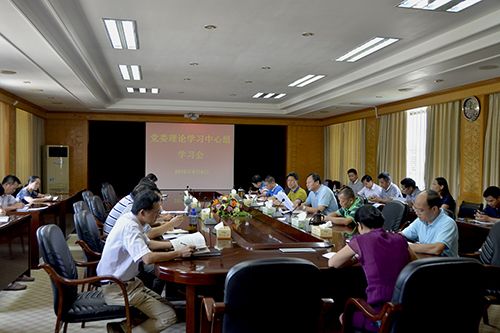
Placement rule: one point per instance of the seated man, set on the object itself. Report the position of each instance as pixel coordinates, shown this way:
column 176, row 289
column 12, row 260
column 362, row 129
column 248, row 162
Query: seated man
column 410, row 189
column 126, row 247
column 350, row 204
column 492, row 211
column 389, row 190
column 370, row 189
column 354, row 181
column 272, row 187
column 258, row 186
column 320, row 198
column 433, row 232
column 297, row 194
column 7, row 201
column 29, row 194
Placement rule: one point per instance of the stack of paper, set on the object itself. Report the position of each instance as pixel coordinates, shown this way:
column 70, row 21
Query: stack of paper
column 197, row 240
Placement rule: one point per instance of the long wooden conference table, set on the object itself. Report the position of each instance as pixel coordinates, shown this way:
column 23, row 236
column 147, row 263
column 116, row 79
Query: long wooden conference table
column 258, row 236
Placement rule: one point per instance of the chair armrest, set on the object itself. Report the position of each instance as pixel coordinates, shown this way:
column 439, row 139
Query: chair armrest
column 90, row 264
column 59, row 281
column 385, row 315
column 88, row 251
column 474, row 255
column 211, row 315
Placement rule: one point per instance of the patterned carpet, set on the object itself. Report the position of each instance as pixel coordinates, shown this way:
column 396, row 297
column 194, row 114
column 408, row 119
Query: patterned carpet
column 31, row 310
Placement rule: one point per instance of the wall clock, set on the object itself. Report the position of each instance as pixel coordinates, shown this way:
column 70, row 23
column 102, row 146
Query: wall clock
column 471, row 108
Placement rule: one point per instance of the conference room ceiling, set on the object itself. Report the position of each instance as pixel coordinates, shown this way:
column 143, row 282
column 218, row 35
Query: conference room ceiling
column 64, row 61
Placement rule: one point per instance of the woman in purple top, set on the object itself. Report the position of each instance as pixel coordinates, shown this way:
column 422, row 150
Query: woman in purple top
column 381, row 254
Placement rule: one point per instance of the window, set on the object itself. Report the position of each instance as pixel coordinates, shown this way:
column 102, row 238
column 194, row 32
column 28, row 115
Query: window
column 415, row 144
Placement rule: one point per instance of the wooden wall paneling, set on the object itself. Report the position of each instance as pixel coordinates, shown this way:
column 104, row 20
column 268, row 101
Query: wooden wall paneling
column 305, row 151
column 472, row 152
column 73, row 133
column 371, row 142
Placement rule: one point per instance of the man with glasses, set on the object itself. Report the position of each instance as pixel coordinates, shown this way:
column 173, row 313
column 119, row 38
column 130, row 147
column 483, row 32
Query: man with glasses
column 126, row 247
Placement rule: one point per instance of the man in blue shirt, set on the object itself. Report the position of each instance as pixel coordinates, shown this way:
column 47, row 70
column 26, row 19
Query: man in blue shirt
column 272, row 187
column 433, row 232
column 320, row 198
column 492, row 211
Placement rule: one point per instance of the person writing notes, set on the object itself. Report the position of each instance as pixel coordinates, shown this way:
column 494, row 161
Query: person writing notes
column 126, row 246
column 389, row 190
column 382, row 255
column 320, row 198
column 30, row 195
column 7, row 201
column 433, row 232
column 349, row 203
column 492, row 211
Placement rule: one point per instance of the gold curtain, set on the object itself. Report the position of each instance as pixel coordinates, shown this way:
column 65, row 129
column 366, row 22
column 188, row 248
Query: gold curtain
column 391, row 150
column 443, row 145
column 29, row 139
column 491, row 163
column 345, row 149
column 4, row 139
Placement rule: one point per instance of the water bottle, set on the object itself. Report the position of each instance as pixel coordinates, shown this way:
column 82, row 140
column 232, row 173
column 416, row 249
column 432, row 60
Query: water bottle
column 193, row 221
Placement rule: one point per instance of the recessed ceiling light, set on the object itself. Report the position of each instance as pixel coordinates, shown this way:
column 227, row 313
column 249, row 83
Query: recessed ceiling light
column 130, row 90
column 142, row 90
column 438, row 80
column 268, row 95
column 187, row 79
column 405, row 89
column 438, row 5
column 122, row 33
column 266, row 67
column 488, row 67
column 155, row 90
column 193, row 64
column 8, row 72
column 308, row 34
column 371, row 46
column 126, row 70
column 302, row 82
column 210, row 27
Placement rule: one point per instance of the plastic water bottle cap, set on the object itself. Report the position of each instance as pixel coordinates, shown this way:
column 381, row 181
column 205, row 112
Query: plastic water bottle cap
column 193, row 211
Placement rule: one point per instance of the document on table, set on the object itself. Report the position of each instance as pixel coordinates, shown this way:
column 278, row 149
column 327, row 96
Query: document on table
column 297, row 249
column 195, row 239
column 282, row 197
column 328, row 255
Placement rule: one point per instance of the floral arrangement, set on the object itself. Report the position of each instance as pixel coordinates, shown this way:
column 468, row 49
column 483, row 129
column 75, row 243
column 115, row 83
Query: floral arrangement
column 227, row 206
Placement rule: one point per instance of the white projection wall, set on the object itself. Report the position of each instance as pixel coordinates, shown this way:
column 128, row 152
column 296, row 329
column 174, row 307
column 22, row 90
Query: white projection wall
column 196, row 155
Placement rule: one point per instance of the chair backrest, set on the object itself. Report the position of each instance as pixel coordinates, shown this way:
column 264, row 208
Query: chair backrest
column 490, row 250
column 86, row 195
column 109, row 194
column 56, row 253
column 80, row 205
column 468, row 209
column 394, row 213
column 97, row 208
column 87, row 231
column 272, row 295
column 439, row 295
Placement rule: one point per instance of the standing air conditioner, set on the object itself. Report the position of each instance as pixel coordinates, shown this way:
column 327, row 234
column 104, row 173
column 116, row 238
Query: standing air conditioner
column 55, row 169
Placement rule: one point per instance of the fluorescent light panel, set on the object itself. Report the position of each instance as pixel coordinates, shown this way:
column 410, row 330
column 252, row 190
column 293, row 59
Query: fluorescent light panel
column 122, row 34
column 280, row 96
column 305, row 78
column 257, row 95
column 142, row 90
column 311, row 80
column 130, row 90
column 302, row 82
column 367, row 48
column 155, row 90
column 439, row 5
column 126, row 70
column 269, row 95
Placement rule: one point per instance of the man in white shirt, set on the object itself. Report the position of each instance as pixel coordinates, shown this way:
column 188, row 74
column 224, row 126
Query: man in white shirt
column 354, row 183
column 390, row 191
column 370, row 189
column 126, row 246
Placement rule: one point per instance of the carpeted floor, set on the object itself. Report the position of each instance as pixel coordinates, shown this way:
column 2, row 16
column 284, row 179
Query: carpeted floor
column 31, row 310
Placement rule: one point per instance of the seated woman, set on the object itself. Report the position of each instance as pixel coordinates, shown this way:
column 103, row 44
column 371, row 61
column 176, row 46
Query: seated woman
column 382, row 255
column 440, row 185
column 29, row 194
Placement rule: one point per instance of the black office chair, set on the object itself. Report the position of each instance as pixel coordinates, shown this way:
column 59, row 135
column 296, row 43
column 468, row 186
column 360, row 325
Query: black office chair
column 88, row 235
column 108, row 195
column 80, row 205
column 394, row 213
column 97, row 208
column 468, row 209
column 267, row 295
column 489, row 254
column 70, row 306
column 431, row 295
column 86, row 195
